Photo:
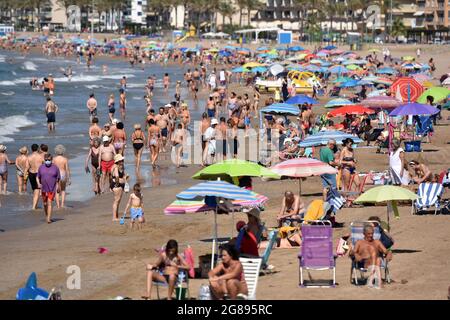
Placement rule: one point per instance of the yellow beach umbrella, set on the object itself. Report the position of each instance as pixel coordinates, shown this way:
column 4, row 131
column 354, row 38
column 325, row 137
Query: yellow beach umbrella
column 253, row 65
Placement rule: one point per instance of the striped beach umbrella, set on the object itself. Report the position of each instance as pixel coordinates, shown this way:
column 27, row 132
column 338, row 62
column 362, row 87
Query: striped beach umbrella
column 322, row 138
column 382, row 102
column 281, row 108
column 218, row 189
column 338, row 102
column 408, row 89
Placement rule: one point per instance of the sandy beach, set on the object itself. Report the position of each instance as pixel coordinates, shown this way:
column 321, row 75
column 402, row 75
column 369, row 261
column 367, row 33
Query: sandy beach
column 420, row 268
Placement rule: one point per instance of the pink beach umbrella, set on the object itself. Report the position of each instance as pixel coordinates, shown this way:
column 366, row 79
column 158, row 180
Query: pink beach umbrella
column 302, row 168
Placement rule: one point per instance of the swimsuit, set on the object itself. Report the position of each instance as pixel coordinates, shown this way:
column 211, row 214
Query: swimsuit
column 51, row 117
column 164, row 132
column 33, row 181
column 107, row 165
column 111, row 108
column 138, row 145
column 115, row 181
column 346, row 166
column 136, row 212
column 211, row 113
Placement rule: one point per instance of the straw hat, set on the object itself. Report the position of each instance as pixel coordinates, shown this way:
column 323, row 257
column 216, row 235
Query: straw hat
column 137, row 126
column 59, row 149
column 254, row 212
column 23, row 150
column 118, row 157
column 2, row 148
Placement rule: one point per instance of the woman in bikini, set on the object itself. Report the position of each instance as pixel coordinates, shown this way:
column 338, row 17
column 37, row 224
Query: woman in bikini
column 185, row 116
column 138, row 139
column 4, row 161
column 166, row 269
column 111, row 108
column 94, row 157
column 119, row 178
column 119, row 138
column 122, row 103
column 292, row 207
column 177, row 142
column 154, row 134
column 348, row 165
column 256, row 97
column 21, row 172
column 227, row 280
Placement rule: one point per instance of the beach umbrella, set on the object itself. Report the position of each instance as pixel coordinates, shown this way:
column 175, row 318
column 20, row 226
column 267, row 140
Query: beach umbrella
column 258, row 69
column 414, row 109
column 422, row 77
column 321, row 138
column 407, row 66
column 386, row 70
column 338, row 69
column 239, row 70
column 281, row 48
column 342, row 79
column 408, row 58
column 301, row 99
column 374, row 50
column 326, row 64
column 316, row 61
column 408, row 89
column 262, row 49
column 353, row 110
column 331, row 47
column 382, row 102
column 389, row 194
column 338, row 102
column 364, row 83
column 296, row 49
column 380, row 80
column 211, row 192
column 253, row 65
column 281, row 108
column 234, row 168
column 230, row 48
column 349, row 84
column 302, row 168
column 322, row 54
column 313, row 68
column 276, row 69
column 225, row 53
column 194, row 206
column 213, row 50
column 377, row 93
column 438, row 93
column 353, row 67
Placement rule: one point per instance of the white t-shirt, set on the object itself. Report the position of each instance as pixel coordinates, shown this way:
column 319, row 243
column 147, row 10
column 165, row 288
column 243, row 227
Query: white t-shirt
column 222, row 76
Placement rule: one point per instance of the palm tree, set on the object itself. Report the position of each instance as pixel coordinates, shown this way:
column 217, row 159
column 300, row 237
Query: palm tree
column 242, row 4
column 398, row 28
column 250, row 6
column 302, row 5
column 226, row 10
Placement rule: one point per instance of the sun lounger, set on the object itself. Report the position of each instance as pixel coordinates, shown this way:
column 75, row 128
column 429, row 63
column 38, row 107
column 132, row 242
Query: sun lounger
column 429, row 196
column 251, row 266
column 357, row 233
column 317, row 251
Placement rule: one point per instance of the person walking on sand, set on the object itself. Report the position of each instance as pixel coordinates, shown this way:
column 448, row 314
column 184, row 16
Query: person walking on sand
column 107, row 154
column 94, row 157
column 136, row 206
column 4, row 161
column 118, row 181
column 48, row 177
column 91, row 104
column 21, row 169
column 34, row 162
column 63, row 165
column 50, row 110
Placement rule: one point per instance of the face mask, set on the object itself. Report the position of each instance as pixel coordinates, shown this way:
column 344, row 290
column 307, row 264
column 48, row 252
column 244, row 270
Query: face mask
column 48, row 163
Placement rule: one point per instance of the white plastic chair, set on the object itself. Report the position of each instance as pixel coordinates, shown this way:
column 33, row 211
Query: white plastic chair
column 251, row 267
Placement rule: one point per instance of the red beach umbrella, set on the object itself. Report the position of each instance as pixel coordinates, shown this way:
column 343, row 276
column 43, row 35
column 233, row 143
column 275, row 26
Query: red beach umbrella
column 353, row 109
column 409, row 89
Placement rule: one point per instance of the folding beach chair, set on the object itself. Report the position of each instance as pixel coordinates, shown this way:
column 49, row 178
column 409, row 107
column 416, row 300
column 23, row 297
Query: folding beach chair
column 182, row 280
column 335, row 199
column 251, row 267
column 429, row 196
column 357, row 233
column 316, row 252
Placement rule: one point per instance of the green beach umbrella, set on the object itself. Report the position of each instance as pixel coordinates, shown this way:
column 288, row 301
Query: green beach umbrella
column 234, row 168
column 438, row 93
column 342, row 79
column 353, row 67
column 389, row 194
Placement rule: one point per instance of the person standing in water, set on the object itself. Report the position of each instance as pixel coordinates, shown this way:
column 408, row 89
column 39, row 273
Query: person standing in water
column 111, row 108
column 50, row 110
column 94, row 157
column 34, row 162
column 122, row 103
column 63, row 165
column 4, row 161
column 21, row 169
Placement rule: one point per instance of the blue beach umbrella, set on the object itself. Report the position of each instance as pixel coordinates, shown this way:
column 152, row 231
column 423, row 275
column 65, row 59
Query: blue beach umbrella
column 321, row 54
column 386, row 70
column 230, row 48
column 322, row 138
column 301, row 99
column 239, row 70
column 296, row 48
column 258, row 69
column 349, row 84
column 281, row 108
column 330, row 48
column 262, row 49
column 338, row 69
column 338, row 102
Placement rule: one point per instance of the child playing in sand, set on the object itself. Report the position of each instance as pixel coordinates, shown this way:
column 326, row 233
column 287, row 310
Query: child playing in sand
column 136, row 205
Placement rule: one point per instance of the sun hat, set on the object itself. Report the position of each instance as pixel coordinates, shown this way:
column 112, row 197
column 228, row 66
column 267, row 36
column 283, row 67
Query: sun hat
column 105, row 139
column 214, row 121
column 254, row 212
column 137, row 126
column 118, row 157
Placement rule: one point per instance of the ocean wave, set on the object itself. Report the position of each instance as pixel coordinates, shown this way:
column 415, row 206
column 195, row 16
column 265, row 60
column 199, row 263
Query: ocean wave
column 11, row 125
column 7, row 83
column 8, row 93
column 29, row 66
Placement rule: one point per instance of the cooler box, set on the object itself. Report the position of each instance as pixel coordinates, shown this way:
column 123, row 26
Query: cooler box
column 412, row 146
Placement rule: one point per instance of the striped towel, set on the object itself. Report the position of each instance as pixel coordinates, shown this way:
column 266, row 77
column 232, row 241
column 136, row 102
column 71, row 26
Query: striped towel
column 335, row 199
column 429, row 194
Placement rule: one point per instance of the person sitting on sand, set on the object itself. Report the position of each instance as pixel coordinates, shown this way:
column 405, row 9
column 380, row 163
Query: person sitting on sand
column 136, row 205
column 166, row 269
column 421, row 173
column 367, row 253
column 227, row 279
column 292, row 207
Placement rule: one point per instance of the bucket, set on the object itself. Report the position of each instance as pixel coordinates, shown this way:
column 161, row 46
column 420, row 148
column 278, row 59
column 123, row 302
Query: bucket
column 180, row 293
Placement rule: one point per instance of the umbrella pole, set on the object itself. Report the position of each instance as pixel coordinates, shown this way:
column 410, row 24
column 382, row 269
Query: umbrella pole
column 300, row 186
column 214, row 239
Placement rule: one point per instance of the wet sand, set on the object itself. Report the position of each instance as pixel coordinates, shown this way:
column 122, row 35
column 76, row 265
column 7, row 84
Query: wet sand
column 420, row 267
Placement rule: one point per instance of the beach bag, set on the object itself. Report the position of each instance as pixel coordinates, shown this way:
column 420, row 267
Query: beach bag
column 385, row 240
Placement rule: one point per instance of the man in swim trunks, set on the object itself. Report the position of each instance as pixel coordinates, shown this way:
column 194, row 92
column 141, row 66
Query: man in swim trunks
column 48, row 177
column 162, row 121
column 107, row 153
column 94, row 131
column 50, row 110
column 91, row 104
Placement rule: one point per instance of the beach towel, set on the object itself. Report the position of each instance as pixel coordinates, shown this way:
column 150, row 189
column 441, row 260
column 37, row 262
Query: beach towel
column 314, row 211
column 189, row 257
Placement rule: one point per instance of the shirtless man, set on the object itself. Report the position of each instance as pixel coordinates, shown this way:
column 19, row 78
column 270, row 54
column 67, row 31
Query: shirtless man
column 204, row 124
column 178, row 140
column 162, row 121
column 107, row 153
column 91, row 104
column 367, row 254
column 291, row 207
column 166, row 82
column 35, row 159
column 150, row 85
column 222, row 138
column 50, row 110
column 63, row 165
column 94, row 131
column 21, row 169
